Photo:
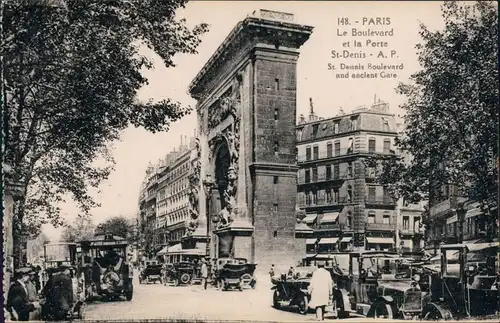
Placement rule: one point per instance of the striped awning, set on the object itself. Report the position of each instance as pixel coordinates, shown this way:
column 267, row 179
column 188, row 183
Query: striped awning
column 379, row 240
column 310, row 218
column 346, row 239
column 328, row 240
column 330, row 217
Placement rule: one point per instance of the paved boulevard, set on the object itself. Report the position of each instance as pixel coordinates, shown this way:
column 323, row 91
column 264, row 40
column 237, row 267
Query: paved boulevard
column 155, row 301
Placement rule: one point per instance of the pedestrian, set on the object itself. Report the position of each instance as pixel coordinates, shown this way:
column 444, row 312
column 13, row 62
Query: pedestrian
column 291, row 271
column 59, row 294
column 271, row 271
column 18, row 298
column 31, row 287
column 321, row 290
column 204, row 273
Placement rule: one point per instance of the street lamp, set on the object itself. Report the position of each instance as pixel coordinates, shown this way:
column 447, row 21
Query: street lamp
column 208, row 185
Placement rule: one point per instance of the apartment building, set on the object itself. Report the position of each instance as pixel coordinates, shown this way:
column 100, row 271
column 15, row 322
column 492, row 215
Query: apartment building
column 410, row 226
column 336, row 184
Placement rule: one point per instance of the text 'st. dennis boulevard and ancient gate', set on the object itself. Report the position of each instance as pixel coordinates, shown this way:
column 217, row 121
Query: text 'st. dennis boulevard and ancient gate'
column 246, row 112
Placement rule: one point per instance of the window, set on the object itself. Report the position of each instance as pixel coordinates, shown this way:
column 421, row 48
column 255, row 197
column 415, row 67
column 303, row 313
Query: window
column 416, row 223
column 336, row 171
column 371, row 145
column 406, row 222
column 276, row 146
column 387, row 146
column 299, row 134
column 328, row 172
column 336, row 195
column 385, row 124
column 308, row 176
column 386, row 218
column 275, row 207
column 276, row 114
column 349, row 193
column 336, row 127
column 329, row 150
column 308, row 198
column 275, row 233
column 371, row 192
column 349, row 220
column 349, row 169
column 276, row 84
column 337, row 148
column 275, row 179
column 329, row 196
column 315, row 130
column 308, row 153
column 315, row 197
column 354, row 123
column 371, row 217
column 315, row 174
column 315, row 152
column 350, row 148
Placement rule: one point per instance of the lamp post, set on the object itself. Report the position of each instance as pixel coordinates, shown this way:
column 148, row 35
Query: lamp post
column 208, row 185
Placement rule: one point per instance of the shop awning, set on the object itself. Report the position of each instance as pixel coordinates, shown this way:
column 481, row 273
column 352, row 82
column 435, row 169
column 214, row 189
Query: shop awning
column 328, row 240
column 330, row 217
column 346, row 239
column 311, row 241
column 472, row 213
column 310, row 218
column 452, row 219
column 475, row 247
column 378, row 240
column 163, row 251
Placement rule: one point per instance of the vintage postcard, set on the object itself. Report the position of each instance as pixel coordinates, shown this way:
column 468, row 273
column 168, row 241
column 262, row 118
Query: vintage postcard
column 256, row 161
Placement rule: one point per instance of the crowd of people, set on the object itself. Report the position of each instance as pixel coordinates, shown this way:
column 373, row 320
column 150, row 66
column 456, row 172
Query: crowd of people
column 28, row 300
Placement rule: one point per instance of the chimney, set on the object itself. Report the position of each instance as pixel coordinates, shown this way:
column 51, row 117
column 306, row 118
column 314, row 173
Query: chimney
column 181, row 140
column 311, row 110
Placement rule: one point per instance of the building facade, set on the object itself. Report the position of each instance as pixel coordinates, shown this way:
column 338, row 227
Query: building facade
column 345, row 205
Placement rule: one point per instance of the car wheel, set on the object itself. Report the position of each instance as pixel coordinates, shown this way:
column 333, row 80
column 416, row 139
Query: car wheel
column 382, row 310
column 303, row 305
column 185, row 278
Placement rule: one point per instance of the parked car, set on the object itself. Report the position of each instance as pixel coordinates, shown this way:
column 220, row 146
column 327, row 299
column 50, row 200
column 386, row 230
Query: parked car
column 233, row 272
column 463, row 289
column 292, row 291
column 152, row 273
column 380, row 284
column 181, row 273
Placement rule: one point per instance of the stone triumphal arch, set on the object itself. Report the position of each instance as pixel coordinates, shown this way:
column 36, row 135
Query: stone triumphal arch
column 246, row 108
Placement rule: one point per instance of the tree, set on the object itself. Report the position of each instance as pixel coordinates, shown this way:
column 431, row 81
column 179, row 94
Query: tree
column 451, row 112
column 119, row 226
column 82, row 228
column 71, row 70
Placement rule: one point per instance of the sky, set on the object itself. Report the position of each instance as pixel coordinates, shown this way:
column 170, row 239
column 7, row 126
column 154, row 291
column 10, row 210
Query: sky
column 137, row 148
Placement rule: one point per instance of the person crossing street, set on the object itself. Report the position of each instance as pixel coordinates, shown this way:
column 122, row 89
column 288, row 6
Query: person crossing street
column 204, row 273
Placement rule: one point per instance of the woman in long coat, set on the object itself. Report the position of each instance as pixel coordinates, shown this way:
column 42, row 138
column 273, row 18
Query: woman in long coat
column 320, row 288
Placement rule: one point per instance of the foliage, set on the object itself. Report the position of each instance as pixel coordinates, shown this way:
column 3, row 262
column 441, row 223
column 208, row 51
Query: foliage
column 451, row 112
column 71, row 70
column 118, row 225
column 82, row 228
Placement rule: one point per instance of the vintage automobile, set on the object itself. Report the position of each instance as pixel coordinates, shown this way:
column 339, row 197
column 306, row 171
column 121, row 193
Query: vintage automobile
column 105, row 260
column 233, row 273
column 180, row 273
column 152, row 273
column 380, row 284
column 463, row 288
column 64, row 253
column 292, row 290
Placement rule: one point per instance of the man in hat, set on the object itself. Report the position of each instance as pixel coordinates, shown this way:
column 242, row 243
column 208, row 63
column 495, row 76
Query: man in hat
column 18, row 299
column 321, row 290
column 59, row 294
column 30, row 286
column 204, row 273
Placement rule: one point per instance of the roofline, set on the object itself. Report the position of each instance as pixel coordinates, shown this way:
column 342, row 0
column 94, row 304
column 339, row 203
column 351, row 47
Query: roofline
column 343, row 116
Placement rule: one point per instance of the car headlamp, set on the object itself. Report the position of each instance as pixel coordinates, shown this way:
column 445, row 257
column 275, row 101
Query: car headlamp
column 416, row 277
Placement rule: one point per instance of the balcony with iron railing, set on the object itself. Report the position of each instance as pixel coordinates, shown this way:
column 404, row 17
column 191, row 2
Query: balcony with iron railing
column 380, row 227
column 412, row 231
column 379, row 200
column 324, row 202
column 323, row 155
column 324, row 178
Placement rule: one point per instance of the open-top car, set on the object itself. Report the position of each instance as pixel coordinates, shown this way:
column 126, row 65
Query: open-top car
column 464, row 288
column 105, row 258
column 292, row 290
column 152, row 273
column 234, row 272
